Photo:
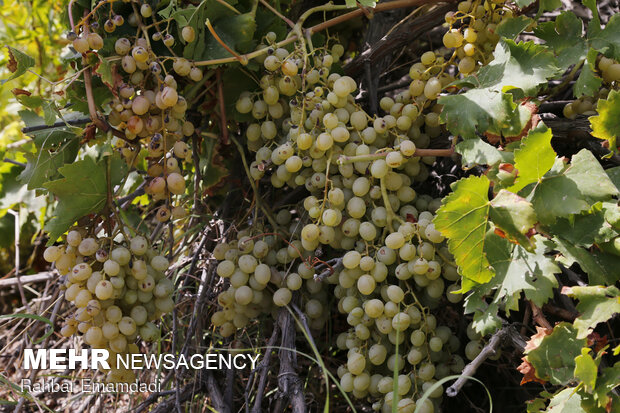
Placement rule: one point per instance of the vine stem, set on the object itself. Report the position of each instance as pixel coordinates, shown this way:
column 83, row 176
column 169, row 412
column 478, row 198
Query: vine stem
column 277, row 13
column 319, row 27
column 343, row 159
column 259, row 202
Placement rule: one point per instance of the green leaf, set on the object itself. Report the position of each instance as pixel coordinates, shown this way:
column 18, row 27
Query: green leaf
column 590, row 177
column 586, row 229
column 586, row 369
column 605, row 383
column 519, row 270
column 486, row 319
column 463, row 219
column 588, row 83
column 477, row 152
column 606, row 125
column 523, row 65
column 237, row 32
column 516, row 68
column 18, row 64
column 43, row 165
column 476, row 110
column 597, row 304
column 554, row 358
column 524, row 3
column 514, row 215
column 614, row 175
column 564, row 36
column 565, row 401
column 548, row 5
column 607, row 41
column 511, row 27
column 572, row 190
column 82, row 190
column 602, row 268
column 534, row 158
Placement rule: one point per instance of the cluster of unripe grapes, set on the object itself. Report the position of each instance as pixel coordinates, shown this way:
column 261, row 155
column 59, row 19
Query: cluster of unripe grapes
column 361, row 207
column 118, row 290
column 609, row 71
column 474, row 38
column 260, row 277
column 147, row 108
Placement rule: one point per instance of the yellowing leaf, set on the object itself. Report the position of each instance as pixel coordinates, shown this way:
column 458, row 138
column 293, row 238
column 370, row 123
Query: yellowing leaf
column 606, row 125
column 463, row 219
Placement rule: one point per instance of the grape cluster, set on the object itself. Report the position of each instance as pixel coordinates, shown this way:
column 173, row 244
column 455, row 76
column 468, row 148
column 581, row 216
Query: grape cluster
column 609, row 71
column 259, row 275
column 118, row 289
column 148, row 109
column 393, row 268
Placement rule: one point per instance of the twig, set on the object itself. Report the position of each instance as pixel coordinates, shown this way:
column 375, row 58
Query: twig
column 539, row 317
column 126, row 200
column 17, row 259
column 332, row 266
column 372, row 93
column 224, row 45
column 561, row 312
column 27, row 279
column 487, row 351
column 58, row 124
column 317, row 28
column 220, row 93
column 277, row 13
column 7, row 160
column 262, row 370
column 289, row 384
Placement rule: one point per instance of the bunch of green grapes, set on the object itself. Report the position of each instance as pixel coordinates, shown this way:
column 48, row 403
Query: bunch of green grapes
column 358, row 171
column 147, row 107
column 118, row 289
column 609, row 71
column 472, row 32
column 261, row 273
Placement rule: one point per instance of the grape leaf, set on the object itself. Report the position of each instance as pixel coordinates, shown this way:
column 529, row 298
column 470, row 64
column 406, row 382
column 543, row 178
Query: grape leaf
column 476, row 109
column 606, row 125
column 534, row 157
column 564, row 36
column 477, row 152
column 512, row 26
column 605, row 383
column 514, row 215
column 590, row 177
column 588, row 83
column 44, row 164
column 614, row 175
column 554, row 358
column 463, row 219
column 82, row 190
column 586, row 369
column 235, row 31
column 586, row 229
column 519, row 270
column 518, row 68
column 565, row 401
column 524, row 3
column 572, row 190
column 602, row 268
column 486, row 319
column 523, row 65
column 607, row 41
column 18, row 64
column 596, row 305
